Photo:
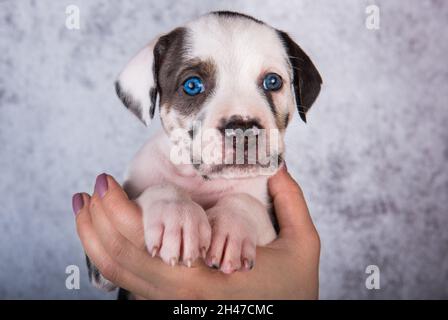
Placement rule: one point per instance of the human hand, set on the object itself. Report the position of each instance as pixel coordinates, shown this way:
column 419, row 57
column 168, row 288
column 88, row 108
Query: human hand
column 110, row 228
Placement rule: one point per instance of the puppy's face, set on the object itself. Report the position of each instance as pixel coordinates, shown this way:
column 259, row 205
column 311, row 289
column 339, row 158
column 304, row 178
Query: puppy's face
column 227, row 87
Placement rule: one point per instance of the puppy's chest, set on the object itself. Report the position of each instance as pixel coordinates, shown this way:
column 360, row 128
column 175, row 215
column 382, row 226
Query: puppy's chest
column 207, row 192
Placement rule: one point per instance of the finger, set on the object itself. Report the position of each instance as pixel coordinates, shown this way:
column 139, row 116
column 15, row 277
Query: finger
column 97, row 254
column 289, row 203
column 124, row 214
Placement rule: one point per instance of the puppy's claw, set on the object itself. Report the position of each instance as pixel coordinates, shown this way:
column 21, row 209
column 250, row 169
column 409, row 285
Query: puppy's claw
column 248, row 265
column 188, row 263
column 173, row 261
column 212, row 263
column 154, row 251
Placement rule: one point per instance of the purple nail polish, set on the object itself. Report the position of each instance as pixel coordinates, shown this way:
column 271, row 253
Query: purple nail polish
column 77, row 203
column 101, row 184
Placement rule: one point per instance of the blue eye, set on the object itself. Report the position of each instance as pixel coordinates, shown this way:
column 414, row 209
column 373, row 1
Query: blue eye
column 193, row 86
column 272, row 82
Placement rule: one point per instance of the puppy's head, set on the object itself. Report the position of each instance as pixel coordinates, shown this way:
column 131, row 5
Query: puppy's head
column 222, row 81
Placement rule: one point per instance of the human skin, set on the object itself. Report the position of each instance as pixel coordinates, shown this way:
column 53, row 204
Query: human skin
column 111, row 231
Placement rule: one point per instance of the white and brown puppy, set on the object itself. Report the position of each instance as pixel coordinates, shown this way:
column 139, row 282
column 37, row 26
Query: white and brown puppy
column 223, row 71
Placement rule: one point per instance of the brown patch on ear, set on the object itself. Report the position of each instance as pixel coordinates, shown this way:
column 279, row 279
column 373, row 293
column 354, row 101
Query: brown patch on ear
column 168, row 56
column 306, row 79
column 153, row 97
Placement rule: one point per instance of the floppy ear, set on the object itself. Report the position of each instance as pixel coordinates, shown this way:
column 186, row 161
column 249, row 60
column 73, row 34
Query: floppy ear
column 306, row 78
column 136, row 85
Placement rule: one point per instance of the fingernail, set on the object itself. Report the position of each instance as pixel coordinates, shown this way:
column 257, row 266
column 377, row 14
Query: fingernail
column 101, row 184
column 77, row 202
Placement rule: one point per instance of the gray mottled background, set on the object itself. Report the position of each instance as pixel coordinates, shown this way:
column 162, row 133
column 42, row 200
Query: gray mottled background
column 372, row 159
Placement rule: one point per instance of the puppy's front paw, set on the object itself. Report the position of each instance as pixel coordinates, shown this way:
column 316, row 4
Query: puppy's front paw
column 233, row 240
column 177, row 230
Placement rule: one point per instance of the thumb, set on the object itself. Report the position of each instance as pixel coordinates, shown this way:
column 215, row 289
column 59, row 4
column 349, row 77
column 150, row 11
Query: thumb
column 124, row 214
column 289, row 205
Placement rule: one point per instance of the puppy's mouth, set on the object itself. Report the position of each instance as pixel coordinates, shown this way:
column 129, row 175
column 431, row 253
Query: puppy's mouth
column 244, row 150
column 240, row 171
column 240, row 157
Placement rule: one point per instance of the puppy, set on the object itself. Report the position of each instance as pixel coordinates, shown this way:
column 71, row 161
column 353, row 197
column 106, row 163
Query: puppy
column 225, row 77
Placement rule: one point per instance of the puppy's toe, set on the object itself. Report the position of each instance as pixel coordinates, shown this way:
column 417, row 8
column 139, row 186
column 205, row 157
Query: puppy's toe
column 248, row 251
column 191, row 243
column 205, row 235
column 171, row 245
column 215, row 253
column 153, row 238
column 232, row 256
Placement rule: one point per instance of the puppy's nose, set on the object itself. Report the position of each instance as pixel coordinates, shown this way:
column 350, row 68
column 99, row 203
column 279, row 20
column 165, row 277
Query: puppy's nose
column 235, row 123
